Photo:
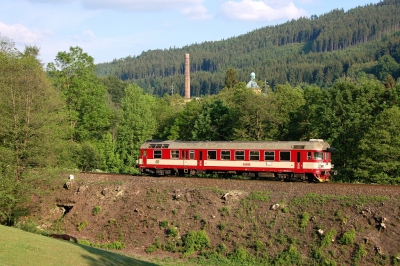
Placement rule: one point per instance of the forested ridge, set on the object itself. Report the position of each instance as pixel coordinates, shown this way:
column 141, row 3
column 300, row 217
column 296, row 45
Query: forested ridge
column 315, row 50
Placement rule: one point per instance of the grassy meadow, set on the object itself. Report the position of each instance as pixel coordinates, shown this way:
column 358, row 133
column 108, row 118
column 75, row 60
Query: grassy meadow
column 18, row 247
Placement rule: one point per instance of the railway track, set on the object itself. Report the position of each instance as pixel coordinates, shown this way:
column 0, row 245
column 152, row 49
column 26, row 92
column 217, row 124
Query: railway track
column 243, row 184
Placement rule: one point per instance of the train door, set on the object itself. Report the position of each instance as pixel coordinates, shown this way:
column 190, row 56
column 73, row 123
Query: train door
column 185, row 157
column 299, row 165
column 144, row 157
column 200, row 161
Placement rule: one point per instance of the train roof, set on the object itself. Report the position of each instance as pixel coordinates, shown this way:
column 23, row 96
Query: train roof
column 312, row 144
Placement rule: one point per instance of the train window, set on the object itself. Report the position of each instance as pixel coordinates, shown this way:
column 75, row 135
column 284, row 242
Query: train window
column 175, row 154
column 191, row 154
column 284, row 156
column 239, row 155
column 269, row 156
column 152, row 145
column 165, row 145
column 157, row 153
column 212, row 155
column 225, row 155
column 158, row 146
column 254, row 155
column 309, row 155
column 145, row 153
column 318, row 155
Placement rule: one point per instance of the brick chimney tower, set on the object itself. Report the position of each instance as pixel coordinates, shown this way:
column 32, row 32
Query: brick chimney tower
column 187, row 76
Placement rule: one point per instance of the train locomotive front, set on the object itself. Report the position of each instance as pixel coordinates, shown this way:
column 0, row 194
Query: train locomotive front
column 285, row 160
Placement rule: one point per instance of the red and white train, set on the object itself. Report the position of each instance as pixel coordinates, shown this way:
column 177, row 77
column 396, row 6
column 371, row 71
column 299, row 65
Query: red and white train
column 285, row 160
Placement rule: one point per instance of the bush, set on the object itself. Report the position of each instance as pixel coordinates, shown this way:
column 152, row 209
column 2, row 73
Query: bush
column 222, row 226
column 196, row 240
column 96, row 210
column 82, row 225
column 305, row 217
column 348, row 237
column 29, row 226
column 172, row 231
column 151, row 248
column 240, row 255
column 163, row 224
column 285, row 209
column 327, row 239
column 359, row 253
column 113, row 245
column 289, row 257
column 89, row 157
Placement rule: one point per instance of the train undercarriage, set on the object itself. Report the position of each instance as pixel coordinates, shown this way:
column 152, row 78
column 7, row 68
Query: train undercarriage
column 284, row 176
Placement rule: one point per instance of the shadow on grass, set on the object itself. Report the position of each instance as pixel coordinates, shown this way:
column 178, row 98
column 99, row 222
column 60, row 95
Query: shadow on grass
column 106, row 258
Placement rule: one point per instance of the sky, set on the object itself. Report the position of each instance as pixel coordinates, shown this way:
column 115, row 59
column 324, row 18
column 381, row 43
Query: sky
column 114, row 29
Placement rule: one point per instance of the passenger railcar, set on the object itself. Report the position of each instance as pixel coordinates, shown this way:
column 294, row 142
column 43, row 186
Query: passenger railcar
column 285, row 160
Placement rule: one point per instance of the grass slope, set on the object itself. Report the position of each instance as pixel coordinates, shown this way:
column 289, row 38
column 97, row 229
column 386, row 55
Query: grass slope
column 18, row 247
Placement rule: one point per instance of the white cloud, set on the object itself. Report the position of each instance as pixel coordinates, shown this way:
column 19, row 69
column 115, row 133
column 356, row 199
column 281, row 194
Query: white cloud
column 141, row 5
column 198, row 12
column 253, row 10
column 86, row 36
column 194, row 9
column 19, row 33
column 88, row 33
column 52, row 1
column 309, row 2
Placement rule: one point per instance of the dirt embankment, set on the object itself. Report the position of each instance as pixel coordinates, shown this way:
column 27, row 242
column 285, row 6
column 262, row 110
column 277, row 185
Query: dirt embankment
column 265, row 220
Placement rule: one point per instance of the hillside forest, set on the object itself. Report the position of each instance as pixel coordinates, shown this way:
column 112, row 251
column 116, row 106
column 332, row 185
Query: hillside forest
column 316, row 50
column 68, row 116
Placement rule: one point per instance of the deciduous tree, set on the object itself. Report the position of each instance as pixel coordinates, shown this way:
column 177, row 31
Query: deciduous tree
column 73, row 73
column 379, row 160
column 137, row 124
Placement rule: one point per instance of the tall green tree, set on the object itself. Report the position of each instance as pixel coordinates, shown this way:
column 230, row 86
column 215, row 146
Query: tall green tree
column 231, row 78
column 166, row 112
column 380, row 150
column 305, row 123
column 136, row 125
column 215, row 122
column 73, row 73
column 30, row 126
column 250, row 110
column 349, row 111
column 30, row 113
column 285, row 103
column 386, row 66
column 184, row 121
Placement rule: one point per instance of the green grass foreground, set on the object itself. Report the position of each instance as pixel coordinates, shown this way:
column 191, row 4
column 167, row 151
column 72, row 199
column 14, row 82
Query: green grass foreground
column 18, row 247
